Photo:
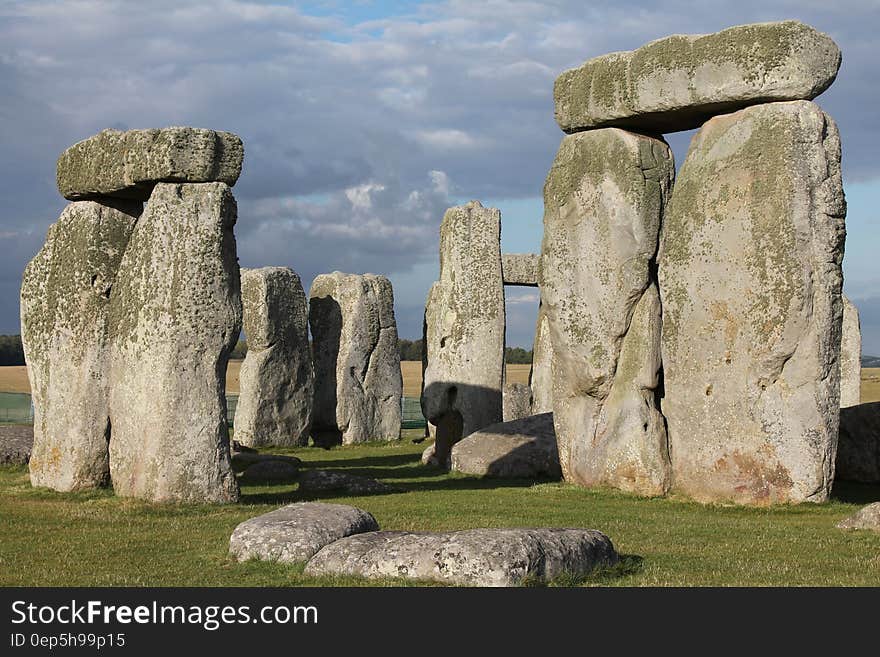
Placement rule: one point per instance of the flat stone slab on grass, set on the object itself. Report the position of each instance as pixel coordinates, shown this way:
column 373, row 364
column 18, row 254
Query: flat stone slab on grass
column 328, row 480
column 295, row 532
column 16, row 441
column 244, row 460
column 680, row 81
column 866, row 518
column 473, row 557
column 522, row 448
column 129, row 164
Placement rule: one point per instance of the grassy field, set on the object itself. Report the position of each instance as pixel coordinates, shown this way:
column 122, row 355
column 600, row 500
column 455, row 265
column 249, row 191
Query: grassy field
column 97, row 539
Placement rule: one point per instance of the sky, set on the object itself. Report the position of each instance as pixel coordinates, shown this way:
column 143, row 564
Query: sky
column 364, row 121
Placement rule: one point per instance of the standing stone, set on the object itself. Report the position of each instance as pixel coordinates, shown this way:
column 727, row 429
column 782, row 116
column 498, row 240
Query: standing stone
column 517, row 401
column 541, row 373
column 464, row 328
column 858, row 444
column 175, row 316
column 678, row 82
column 750, row 279
column 850, row 356
column 65, row 294
column 128, row 164
column 276, row 380
column 603, row 202
column 358, row 384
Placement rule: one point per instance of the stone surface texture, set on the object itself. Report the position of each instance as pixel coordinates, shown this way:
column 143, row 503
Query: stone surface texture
column 16, row 442
column 175, row 316
column 858, row 444
column 65, row 294
column 750, row 278
column 865, row 518
column 524, row 448
column 358, row 383
column 473, row 557
column 128, row 164
column 603, row 201
column 850, row 356
column 276, row 378
column 517, row 401
column 541, row 373
column 464, row 328
column 520, row 269
column 293, row 533
column 315, row 481
column 678, row 82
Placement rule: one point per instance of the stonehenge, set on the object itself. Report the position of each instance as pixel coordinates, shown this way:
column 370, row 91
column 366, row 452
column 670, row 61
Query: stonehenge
column 358, row 383
column 277, row 377
column 129, row 313
column 520, row 269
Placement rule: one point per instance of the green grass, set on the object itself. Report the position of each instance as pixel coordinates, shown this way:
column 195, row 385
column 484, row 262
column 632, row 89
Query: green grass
column 96, row 539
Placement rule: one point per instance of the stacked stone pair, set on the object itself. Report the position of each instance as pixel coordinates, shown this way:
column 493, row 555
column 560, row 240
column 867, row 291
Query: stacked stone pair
column 743, row 255
column 129, row 313
column 464, row 387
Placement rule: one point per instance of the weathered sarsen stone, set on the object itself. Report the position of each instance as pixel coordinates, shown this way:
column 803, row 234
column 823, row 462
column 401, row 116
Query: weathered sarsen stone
column 295, row 532
column 128, row 164
column 522, row 448
column 358, row 384
column 678, row 82
column 175, row 315
column 541, row 373
column 276, row 379
column 858, row 444
column 65, row 294
column 750, row 278
column 517, row 401
column 603, row 202
column 473, row 557
column 850, row 356
column 520, row 269
column 464, row 328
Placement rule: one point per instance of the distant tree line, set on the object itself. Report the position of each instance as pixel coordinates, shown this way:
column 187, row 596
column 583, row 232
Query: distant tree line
column 412, row 350
column 11, row 351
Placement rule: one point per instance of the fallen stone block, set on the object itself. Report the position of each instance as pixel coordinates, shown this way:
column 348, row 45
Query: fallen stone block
column 525, row 448
column 473, row 557
column 295, row 532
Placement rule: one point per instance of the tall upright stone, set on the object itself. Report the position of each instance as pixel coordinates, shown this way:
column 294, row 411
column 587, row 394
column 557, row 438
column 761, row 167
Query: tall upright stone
column 276, row 379
column 175, row 316
column 65, row 294
column 850, row 356
column 603, row 202
column 464, row 328
column 541, row 373
column 750, row 278
column 358, row 383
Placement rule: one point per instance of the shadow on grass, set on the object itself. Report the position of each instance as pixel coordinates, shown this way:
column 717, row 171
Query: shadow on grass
column 629, row 565
column 387, row 461
column 854, row 493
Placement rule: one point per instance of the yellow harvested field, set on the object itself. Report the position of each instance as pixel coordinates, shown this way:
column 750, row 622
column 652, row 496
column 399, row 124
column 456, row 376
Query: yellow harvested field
column 14, row 378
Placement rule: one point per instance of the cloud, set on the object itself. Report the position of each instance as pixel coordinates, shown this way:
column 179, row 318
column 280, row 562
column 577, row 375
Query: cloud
column 360, row 131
